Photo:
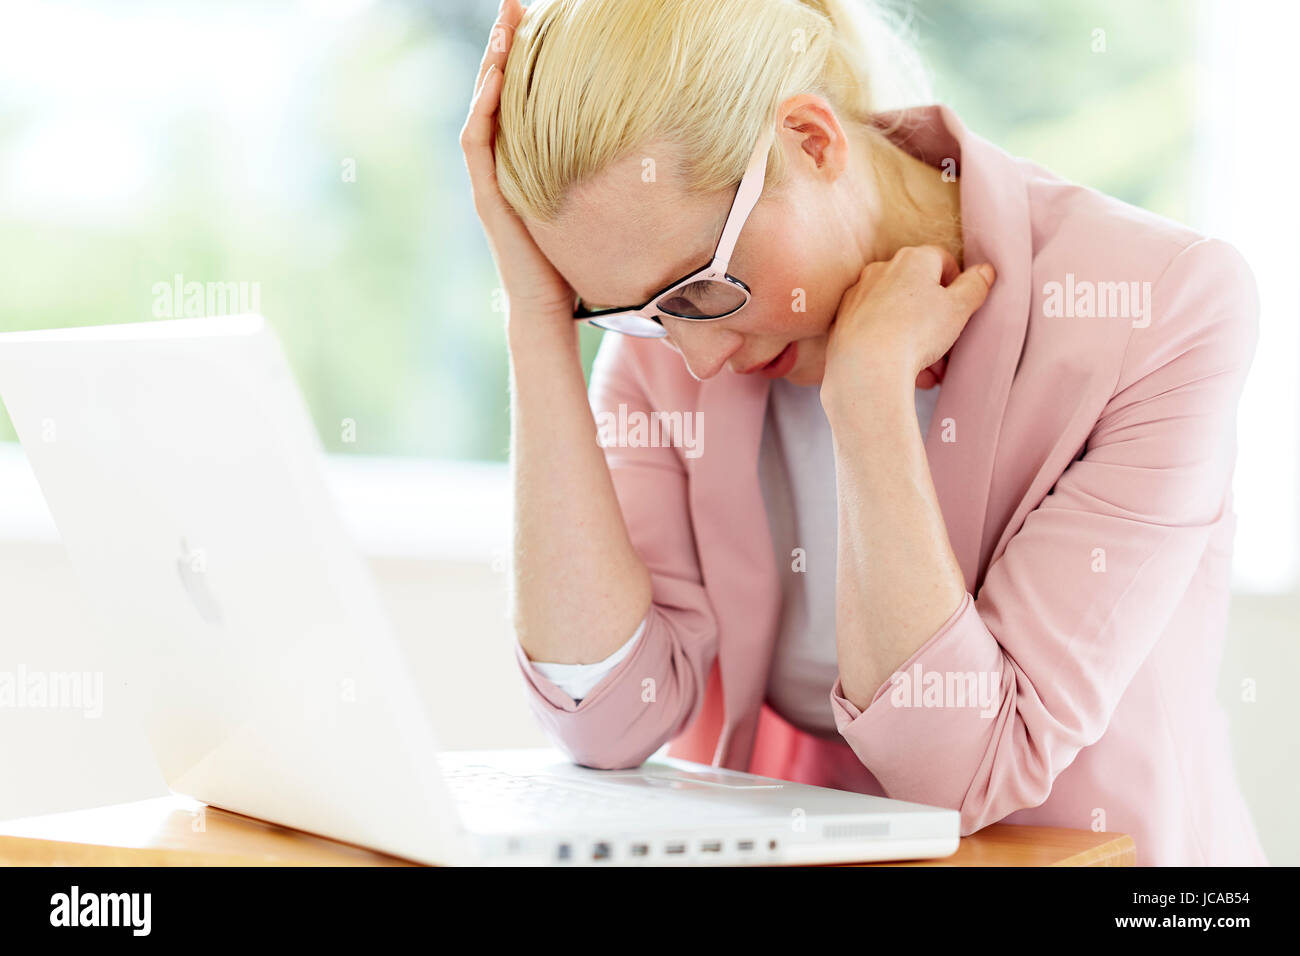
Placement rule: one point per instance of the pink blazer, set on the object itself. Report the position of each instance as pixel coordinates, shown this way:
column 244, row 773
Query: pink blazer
column 1082, row 452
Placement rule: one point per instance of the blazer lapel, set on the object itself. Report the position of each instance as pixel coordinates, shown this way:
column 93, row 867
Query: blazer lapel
column 963, row 436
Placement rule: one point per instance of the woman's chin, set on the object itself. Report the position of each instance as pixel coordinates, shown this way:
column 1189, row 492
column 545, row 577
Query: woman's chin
column 808, row 370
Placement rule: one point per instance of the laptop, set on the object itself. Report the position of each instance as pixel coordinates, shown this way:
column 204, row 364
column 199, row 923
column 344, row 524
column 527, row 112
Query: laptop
column 188, row 485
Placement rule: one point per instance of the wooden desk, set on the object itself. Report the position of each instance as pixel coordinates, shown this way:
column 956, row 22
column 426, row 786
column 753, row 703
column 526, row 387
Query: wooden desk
column 176, row 831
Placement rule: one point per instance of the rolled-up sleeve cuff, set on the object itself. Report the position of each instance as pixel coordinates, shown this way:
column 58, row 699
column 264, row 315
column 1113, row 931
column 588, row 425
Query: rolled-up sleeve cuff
column 578, row 680
column 949, row 649
column 587, row 678
column 926, row 740
column 633, row 709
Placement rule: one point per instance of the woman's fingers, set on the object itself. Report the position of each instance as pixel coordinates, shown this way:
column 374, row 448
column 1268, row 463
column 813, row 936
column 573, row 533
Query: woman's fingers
column 971, row 288
column 968, row 289
column 532, row 283
column 949, row 270
column 476, row 136
column 499, row 40
column 934, row 262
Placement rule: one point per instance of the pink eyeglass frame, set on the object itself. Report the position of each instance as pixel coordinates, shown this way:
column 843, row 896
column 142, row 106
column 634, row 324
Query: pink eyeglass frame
column 747, row 195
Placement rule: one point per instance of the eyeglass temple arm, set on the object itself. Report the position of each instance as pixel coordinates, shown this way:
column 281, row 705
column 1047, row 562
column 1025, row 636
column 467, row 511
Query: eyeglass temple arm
column 751, row 187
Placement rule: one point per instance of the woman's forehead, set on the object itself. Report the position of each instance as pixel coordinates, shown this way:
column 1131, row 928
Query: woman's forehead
column 621, row 244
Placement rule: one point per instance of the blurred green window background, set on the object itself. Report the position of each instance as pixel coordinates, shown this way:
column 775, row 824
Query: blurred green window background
column 307, row 153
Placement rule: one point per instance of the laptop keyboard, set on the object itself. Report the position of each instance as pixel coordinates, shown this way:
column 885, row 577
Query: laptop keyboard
column 487, row 789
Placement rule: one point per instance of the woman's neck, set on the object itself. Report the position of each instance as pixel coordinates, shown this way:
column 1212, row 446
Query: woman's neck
column 921, row 205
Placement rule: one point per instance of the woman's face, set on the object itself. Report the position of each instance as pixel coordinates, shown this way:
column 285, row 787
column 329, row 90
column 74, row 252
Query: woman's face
column 622, row 239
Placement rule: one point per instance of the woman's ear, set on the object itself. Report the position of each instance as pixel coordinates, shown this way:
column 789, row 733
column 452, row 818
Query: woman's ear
column 819, row 134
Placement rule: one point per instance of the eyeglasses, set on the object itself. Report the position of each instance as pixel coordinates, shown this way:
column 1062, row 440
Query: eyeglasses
column 706, row 294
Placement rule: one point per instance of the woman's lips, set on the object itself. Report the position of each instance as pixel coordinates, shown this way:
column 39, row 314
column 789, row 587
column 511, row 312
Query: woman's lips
column 780, row 366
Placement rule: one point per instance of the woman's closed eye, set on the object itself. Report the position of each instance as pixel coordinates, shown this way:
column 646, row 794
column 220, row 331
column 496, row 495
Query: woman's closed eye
column 703, row 298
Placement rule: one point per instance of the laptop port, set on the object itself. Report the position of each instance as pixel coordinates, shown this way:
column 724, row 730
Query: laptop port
column 675, row 849
column 713, row 846
column 564, row 852
column 640, row 849
column 600, row 851
column 744, row 846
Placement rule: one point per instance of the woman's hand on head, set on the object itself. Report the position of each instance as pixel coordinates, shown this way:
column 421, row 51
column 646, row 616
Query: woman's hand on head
column 533, row 285
column 900, row 318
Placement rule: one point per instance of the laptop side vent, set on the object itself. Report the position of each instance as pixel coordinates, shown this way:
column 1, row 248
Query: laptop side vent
column 854, row 831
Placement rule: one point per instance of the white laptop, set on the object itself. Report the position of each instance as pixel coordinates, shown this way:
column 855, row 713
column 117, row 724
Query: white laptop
column 187, row 482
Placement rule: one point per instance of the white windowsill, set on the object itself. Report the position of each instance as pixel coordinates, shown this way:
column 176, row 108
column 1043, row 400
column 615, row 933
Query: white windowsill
column 393, row 507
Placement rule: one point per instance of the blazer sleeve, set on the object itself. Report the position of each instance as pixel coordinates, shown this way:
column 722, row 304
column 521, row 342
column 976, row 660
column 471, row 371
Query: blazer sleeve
column 577, row 680
column 653, row 693
column 1064, row 638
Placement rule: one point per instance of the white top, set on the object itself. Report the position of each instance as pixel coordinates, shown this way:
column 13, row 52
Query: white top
column 797, row 476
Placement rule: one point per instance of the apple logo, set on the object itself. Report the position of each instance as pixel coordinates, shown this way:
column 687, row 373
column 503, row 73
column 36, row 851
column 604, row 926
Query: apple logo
column 192, row 566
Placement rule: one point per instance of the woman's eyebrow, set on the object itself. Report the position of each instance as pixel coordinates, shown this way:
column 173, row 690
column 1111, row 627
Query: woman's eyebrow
column 694, row 263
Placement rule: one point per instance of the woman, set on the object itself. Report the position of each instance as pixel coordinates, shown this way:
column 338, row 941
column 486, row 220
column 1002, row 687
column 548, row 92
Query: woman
column 955, row 536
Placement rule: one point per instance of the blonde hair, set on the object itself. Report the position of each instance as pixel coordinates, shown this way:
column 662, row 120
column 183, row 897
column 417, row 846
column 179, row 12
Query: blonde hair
column 588, row 81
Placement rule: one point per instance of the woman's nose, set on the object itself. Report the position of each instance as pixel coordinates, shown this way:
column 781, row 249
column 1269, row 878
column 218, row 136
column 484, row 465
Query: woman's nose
column 705, row 346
